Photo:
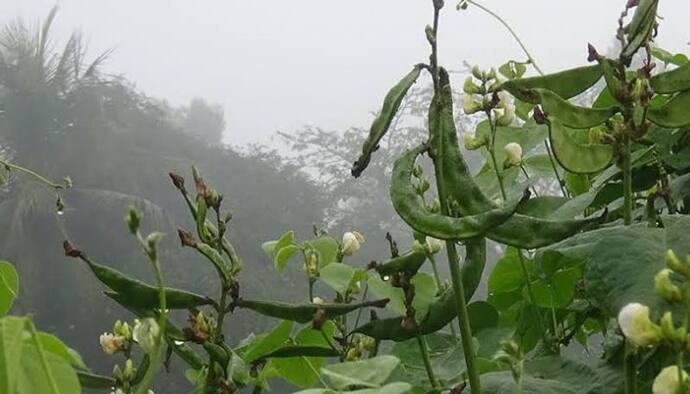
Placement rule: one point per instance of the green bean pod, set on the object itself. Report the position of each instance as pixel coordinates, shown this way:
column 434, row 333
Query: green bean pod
column 391, row 104
column 641, row 27
column 302, row 351
column 214, row 257
column 673, row 81
column 673, row 114
column 472, row 270
column 519, row 230
column 200, row 219
column 143, row 295
column 408, row 263
column 566, row 84
column 576, row 157
column 441, row 313
column 412, row 210
column 94, row 381
column 573, row 115
column 304, row 313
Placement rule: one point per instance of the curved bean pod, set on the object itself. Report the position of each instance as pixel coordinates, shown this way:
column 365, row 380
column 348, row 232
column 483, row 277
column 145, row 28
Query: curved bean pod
column 302, row 351
column 566, row 84
column 408, row 263
column 672, row 81
column 472, row 270
column 641, row 27
column 573, row 115
column 673, row 114
column 304, row 313
column 391, row 104
column 576, row 157
column 411, row 208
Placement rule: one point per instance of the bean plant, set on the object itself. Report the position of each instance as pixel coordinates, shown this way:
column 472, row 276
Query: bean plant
column 591, row 292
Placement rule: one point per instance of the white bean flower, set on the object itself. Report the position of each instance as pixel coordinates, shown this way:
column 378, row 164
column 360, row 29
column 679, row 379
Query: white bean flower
column 666, row 382
column 634, row 321
column 352, row 241
column 111, row 343
column 513, row 153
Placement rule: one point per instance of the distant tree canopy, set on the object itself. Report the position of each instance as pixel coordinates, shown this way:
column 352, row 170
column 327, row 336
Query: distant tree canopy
column 61, row 116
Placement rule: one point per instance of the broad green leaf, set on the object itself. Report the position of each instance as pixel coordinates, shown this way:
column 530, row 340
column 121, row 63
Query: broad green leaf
column 539, row 166
column 327, row 248
column 507, row 275
column 542, row 206
column 303, row 372
column 490, row 339
column 53, row 344
column 503, row 383
column 263, row 345
column 372, row 372
column 425, row 291
column 574, row 156
column 620, row 262
column 672, row 114
column 446, row 356
column 271, row 248
column 284, row 255
column 558, row 290
column 391, row 388
column 312, row 337
column 338, row 276
column 9, row 286
column 11, row 330
column 482, row 316
column 33, row 377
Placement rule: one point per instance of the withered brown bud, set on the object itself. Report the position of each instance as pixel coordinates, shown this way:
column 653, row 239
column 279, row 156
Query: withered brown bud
column 459, row 389
column 539, row 116
column 319, row 319
column 186, row 238
column 592, row 53
column 178, row 181
column 71, row 250
column 408, row 323
column 632, row 3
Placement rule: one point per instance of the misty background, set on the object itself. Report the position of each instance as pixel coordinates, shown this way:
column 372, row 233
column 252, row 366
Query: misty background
column 271, row 99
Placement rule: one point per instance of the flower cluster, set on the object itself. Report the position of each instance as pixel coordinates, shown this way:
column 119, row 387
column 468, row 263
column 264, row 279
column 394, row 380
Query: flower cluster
column 673, row 285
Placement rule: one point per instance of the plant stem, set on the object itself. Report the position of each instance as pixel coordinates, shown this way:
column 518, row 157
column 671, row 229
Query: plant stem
column 555, row 168
column 511, row 31
column 33, row 174
column 492, row 152
column 630, row 370
column 438, row 282
column 427, row 361
column 627, row 180
column 41, row 354
column 532, row 299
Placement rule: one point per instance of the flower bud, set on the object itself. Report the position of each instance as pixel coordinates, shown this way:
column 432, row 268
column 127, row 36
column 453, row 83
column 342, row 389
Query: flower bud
column 666, row 382
column 470, row 106
column 145, row 333
column 417, row 171
column 491, row 74
column 470, row 88
column 665, row 288
column 418, row 247
column 178, row 181
column 318, row 300
column 669, row 331
column 634, row 322
column 674, row 263
column 129, row 371
column 213, row 198
column 110, row 343
column 477, row 72
column 422, row 186
column 471, row 142
column 352, row 241
column 434, row 245
column 122, row 329
column 513, row 153
column 133, row 220
column 435, row 206
column 429, row 31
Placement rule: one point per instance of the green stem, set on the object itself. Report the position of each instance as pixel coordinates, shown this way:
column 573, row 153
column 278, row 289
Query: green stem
column 427, row 361
column 32, row 173
column 438, row 283
column 510, row 30
column 492, row 152
column 532, row 299
column 630, row 370
column 41, row 354
column 627, row 180
column 555, row 168
column 147, row 380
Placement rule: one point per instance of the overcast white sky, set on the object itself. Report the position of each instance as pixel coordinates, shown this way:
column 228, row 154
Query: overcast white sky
column 280, row 64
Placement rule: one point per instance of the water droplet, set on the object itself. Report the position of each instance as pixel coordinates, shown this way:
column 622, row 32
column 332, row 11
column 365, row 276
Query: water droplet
column 386, row 278
column 179, row 343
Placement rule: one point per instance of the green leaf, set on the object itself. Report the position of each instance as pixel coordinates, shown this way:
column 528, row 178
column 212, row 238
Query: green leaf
column 507, row 274
column 268, row 343
column 327, row 248
column 341, row 277
column 271, row 248
column 300, row 371
column 425, row 292
column 11, row 330
column 542, row 206
column 445, row 353
column 284, row 255
column 94, row 381
column 53, row 344
column 391, row 388
column 620, row 262
column 558, row 290
column 9, row 286
column 33, row 377
column 574, row 156
column 372, row 372
column 482, row 316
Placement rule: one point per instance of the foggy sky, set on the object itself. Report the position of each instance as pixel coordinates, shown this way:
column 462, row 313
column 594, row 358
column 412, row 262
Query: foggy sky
column 280, row 64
